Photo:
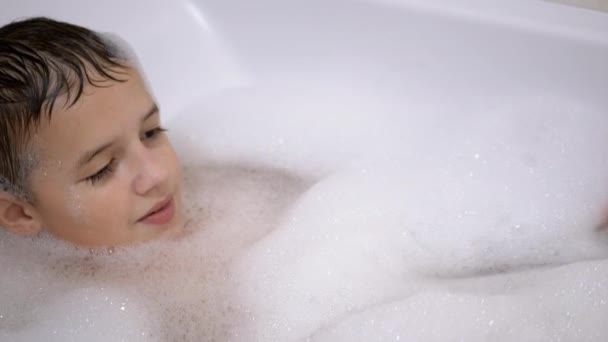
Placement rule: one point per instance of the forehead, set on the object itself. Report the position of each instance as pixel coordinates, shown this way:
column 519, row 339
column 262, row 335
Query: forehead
column 101, row 113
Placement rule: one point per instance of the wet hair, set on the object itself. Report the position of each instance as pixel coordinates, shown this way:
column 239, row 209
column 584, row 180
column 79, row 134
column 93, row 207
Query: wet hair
column 45, row 63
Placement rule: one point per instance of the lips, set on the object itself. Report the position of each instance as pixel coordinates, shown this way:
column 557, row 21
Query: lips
column 161, row 213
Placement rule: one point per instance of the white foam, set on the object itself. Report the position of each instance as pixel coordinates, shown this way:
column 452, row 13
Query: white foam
column 564, row 303
column 515, row 183
column 167, row 288
column 91, row 314
column 404, row 222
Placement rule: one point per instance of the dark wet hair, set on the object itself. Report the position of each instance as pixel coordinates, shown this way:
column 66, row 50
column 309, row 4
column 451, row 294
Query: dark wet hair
column 43, row 61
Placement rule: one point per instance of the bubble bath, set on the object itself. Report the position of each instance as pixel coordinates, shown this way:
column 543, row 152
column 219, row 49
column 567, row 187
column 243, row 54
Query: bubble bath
column 417, row 178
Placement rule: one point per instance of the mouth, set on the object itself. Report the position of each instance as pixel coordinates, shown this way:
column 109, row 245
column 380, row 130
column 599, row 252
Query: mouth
column 161, row 213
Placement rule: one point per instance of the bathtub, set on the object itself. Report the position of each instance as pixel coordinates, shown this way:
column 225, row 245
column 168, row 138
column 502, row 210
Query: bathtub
column 452, row 60
column 190, row 48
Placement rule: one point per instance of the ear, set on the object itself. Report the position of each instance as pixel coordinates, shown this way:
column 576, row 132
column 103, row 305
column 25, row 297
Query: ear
column 18, row 216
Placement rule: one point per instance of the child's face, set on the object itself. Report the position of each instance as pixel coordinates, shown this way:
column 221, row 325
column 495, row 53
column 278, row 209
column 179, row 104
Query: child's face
column 104, row 166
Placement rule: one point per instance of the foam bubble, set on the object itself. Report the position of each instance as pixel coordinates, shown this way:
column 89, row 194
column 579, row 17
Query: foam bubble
column 171, row 289
column 564, row 303
column 304, row 125
column 320, row 213
column 92, row 314
column 515, row 184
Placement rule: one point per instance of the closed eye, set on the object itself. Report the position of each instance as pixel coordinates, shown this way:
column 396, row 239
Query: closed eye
column 103, row 173
column 153, row 133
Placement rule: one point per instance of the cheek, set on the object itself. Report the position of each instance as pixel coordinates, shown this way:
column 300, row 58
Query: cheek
column 75, row 204
column 174, row 163
column 98, row 205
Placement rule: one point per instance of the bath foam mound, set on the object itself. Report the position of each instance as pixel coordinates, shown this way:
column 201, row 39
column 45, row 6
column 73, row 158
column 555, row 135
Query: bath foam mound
column 336, row 219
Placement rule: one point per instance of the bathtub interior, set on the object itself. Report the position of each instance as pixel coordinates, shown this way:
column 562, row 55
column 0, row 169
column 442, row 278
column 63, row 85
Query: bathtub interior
column 190, row 48
column 451, row 152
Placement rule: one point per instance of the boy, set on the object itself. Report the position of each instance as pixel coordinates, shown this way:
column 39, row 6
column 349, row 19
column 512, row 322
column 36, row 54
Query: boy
column 82, row 152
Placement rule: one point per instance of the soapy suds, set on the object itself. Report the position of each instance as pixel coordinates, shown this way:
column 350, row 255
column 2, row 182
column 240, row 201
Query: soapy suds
column 165, row 290
column 320, row 214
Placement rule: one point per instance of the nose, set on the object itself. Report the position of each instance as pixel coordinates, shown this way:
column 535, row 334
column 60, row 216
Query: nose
column 152, row 176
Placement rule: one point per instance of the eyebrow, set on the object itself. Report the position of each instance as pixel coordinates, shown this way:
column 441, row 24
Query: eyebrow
column 153, row 110
column 89, row 155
